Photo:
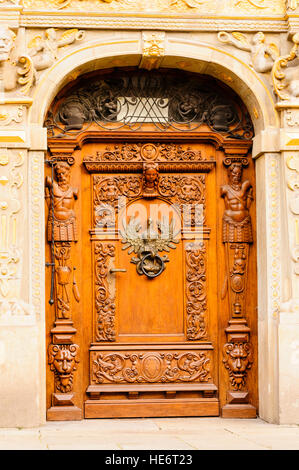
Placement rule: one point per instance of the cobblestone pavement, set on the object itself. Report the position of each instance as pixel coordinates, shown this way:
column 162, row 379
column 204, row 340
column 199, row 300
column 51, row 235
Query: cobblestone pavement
column 153, row 434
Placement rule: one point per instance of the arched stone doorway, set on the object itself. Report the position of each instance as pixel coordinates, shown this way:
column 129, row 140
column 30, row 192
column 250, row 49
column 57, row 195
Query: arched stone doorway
column 155, row 339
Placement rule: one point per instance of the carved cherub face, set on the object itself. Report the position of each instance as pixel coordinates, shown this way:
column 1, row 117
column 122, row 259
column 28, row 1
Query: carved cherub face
column 7, row 38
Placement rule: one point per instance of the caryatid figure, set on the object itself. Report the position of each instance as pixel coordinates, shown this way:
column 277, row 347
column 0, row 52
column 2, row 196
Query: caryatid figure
column 237, row 198
column 62, row 218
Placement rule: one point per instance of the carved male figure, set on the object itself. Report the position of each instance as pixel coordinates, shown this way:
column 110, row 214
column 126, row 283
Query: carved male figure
column 237, row 198
column 62, row 218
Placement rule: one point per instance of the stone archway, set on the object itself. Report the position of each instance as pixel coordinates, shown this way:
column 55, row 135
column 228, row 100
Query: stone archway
column 191, row 56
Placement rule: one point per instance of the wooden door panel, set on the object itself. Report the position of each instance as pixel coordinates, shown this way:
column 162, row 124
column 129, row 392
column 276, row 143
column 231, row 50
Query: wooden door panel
column 150, row 309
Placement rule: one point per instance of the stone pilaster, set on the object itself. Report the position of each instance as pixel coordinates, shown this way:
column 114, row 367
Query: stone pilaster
column 22, row 397
column 288, row 328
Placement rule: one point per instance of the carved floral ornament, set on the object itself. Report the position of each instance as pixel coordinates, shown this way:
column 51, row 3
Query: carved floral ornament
column 248, row 6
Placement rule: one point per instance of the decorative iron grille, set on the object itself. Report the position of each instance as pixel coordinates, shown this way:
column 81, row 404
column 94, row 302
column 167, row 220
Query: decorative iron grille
column 177, row 101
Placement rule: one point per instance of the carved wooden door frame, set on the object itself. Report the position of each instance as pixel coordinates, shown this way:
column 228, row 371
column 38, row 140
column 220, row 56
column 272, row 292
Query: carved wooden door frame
column 232, row 168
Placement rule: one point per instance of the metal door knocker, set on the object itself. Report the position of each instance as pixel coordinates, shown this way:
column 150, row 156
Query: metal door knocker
column 147, row 245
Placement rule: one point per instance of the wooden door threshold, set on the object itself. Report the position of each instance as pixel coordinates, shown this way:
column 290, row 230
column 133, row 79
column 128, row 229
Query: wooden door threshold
column 150, row 408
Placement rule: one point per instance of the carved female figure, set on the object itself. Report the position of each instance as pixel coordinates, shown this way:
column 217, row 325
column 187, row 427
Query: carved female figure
column 150, row 179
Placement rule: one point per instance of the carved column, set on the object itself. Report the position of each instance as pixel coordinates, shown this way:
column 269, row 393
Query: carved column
column 62, row 234
column 237, row 237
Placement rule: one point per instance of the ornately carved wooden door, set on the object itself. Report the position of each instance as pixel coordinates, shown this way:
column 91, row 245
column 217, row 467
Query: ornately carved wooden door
column 152, row 243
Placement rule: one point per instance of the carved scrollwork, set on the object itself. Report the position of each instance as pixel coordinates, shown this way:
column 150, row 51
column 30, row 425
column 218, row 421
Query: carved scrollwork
column 196, row 294
column 285, row 82
column 147, row 152
column 187, row 192
column 150, row 367
column 108, row 193
column 104, row 301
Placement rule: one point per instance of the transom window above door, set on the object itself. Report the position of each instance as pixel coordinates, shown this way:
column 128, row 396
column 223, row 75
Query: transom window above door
column 139, row 100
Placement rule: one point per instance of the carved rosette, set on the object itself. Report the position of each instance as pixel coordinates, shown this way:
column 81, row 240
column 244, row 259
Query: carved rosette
column 104, row 301
column 196, row 293
column 150, row 367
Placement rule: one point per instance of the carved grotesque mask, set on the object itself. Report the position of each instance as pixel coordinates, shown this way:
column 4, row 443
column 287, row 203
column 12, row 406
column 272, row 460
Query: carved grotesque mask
column 64, row 362
column 238, row 358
